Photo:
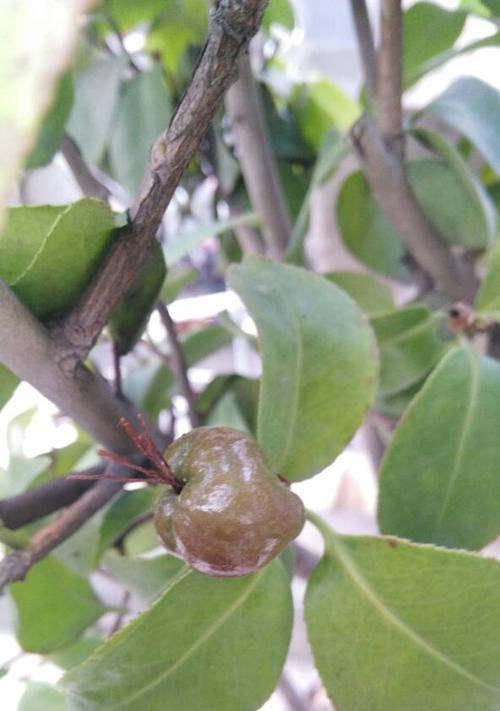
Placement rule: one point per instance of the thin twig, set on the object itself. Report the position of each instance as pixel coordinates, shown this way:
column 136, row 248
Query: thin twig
column 386, row 175
column 33, row 504
column 179, row 364
column 381, row 149
column 16, row 565
column 117, row 372
column 232, row 24
column 257, row 161
column 89, row 184
column 366, row 45
column 133, row 525
column 389, row 75
column 116, row 31
column 28, row 351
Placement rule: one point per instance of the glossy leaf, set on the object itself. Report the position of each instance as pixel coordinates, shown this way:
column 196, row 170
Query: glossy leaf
column 488, row 297
column 368, row 292
column 187, row 659
column 319, row 364
column 428, row 31
column 49, row 254
column 53, row 125
column 146, row 578
column 366, row 231
column 396, row 626
column 40, row 696
column 53, row 605
column 29, row 78
column 143, row 113
column 471, row 219
column 130, row 317
column 409, row 346
column 472, row 107
column 97, row 86
column 439, row 478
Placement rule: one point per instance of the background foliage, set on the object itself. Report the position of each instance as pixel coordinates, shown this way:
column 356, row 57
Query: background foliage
column 404, row 620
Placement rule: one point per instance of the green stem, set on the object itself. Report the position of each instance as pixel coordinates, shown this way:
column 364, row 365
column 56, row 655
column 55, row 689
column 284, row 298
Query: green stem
column 326, row 531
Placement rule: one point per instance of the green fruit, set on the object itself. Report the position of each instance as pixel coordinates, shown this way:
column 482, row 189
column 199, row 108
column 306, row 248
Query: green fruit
column 233, row 515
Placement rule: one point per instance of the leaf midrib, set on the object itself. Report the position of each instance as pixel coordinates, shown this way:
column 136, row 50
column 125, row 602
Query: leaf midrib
column 472, row 403
column 295, row 394
column 371, row 595
column 197, row 643
column 42, row 246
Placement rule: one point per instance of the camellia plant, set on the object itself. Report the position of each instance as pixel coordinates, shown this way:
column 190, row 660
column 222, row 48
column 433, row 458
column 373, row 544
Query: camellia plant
column 151, row 105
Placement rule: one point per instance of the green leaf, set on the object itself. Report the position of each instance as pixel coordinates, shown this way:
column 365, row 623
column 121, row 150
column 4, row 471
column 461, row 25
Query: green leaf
column 439, row 478
column 49, row 254
column 128, row 13
column 278, row 12
column 393, row 405
column 319, row 364
column 53, row 605
column 472, row 107
column 366, row 231
column 331, row 154
column 203, row 342
column 95, row 102
column 320, row 107
column 458, row 207
column 79, row 552
column 41, row 697
column 188, row 643
column 20, row 474
column 52, row 128
column 488, row 297
column 129, row 506
column 470, row 219
column 369, row 293
column 130, row 317
column 146, row 578
column 8, row 384
column 409, row 346
column 143, row 112
column 226, row 413
column 438, row 60
column 29, row 71
column 401, row 627
column 77, row 652
column 177, row 280
column 185, row 243
column 428, row 31
column 182, row 24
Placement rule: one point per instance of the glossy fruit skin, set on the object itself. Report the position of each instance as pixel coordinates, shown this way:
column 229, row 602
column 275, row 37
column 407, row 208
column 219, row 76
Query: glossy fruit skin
column 233, row 516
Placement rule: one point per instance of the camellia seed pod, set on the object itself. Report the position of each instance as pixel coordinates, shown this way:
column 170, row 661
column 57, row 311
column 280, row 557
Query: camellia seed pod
column 232, row 516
